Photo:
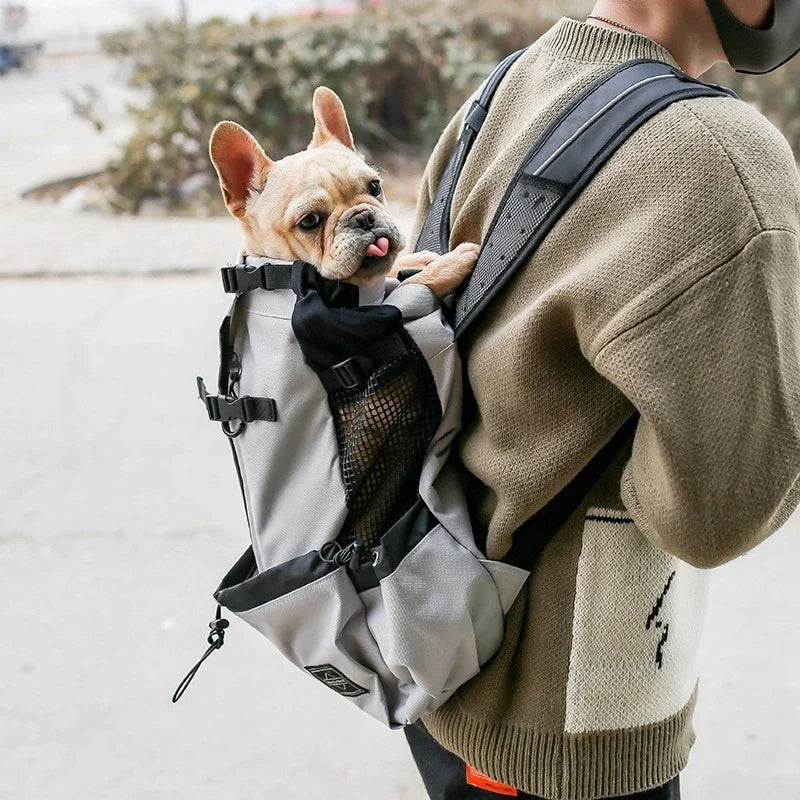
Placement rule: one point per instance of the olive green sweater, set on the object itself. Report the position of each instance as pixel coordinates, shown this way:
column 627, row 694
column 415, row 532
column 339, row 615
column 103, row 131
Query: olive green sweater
column 672, row 286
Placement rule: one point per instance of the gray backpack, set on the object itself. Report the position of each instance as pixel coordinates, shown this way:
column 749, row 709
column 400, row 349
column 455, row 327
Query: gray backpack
column 341, row 410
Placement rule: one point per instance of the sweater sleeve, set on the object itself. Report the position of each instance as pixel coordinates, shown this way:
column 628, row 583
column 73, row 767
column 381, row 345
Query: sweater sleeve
column 715, row 375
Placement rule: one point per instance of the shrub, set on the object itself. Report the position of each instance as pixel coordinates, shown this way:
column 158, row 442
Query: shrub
column 401, row 71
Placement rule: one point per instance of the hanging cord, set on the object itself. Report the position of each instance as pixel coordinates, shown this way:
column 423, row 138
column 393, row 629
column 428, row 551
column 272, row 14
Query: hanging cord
column 215, row 640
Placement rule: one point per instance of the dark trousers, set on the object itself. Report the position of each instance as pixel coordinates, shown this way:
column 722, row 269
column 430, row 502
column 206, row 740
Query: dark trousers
column 444, row 774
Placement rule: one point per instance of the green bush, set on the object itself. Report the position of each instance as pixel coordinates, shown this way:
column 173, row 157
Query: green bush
column 401, row 71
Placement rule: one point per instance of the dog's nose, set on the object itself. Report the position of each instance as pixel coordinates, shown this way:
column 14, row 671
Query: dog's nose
column 365, row 220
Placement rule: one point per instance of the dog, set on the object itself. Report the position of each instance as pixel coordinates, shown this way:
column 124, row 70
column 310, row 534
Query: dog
column 324, row 205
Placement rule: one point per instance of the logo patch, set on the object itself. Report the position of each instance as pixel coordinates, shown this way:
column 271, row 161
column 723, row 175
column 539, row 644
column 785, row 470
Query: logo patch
column 336, row 680
column 481, row 781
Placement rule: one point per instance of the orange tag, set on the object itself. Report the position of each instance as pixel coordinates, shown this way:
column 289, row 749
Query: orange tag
column 475, row 778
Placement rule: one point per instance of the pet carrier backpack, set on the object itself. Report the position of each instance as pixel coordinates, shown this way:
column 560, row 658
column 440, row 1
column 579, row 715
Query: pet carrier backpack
column 341, row 409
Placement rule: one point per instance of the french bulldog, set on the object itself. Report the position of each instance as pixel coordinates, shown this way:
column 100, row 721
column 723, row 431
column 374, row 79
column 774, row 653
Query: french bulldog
column 324, row 205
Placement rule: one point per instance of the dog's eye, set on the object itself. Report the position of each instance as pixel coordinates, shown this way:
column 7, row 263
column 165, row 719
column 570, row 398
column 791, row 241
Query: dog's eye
column 375, row 188
column 310, row 221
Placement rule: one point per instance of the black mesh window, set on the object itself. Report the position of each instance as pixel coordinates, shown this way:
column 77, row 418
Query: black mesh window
column 530, row 202
column 383, row 430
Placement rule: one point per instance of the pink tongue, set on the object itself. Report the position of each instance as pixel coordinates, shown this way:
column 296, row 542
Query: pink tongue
column 379, row 248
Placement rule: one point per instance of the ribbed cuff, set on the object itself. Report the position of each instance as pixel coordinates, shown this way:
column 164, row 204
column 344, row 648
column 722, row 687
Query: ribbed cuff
column 558, row 766
column 579, row 41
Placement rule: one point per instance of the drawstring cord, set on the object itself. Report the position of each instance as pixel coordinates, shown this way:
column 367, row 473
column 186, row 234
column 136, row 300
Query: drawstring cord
column 215, row 640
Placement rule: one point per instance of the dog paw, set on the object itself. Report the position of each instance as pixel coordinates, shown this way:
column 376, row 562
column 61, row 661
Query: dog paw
column 446, row 273
column 418, row 260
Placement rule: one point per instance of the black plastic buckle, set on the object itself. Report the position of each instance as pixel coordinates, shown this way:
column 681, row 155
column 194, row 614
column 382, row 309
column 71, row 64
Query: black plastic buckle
column 349, row 373
column 476, row 116
column 223, row 409
column 240, row 278
column 229, row 283
column 244, row 409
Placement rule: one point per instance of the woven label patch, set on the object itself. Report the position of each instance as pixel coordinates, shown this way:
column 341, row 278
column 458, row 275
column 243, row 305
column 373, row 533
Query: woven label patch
column 481, row 781
column 336, row 680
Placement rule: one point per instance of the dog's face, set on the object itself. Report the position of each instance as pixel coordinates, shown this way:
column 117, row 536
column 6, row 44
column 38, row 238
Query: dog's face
column 324, row 205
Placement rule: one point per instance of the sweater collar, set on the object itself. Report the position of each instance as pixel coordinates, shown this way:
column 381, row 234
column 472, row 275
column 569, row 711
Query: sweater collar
column 579, row 41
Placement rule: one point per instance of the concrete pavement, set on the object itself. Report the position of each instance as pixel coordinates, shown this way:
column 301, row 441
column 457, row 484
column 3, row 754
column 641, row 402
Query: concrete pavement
column 121, row 512
column 41, row 140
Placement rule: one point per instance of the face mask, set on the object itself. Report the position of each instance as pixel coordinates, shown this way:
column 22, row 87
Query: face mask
column 758, row 50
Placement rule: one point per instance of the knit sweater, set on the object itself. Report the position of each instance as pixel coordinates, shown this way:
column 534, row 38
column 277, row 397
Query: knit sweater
column 671, row 286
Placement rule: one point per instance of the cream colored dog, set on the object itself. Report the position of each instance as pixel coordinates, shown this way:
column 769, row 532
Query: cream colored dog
column 324, row 205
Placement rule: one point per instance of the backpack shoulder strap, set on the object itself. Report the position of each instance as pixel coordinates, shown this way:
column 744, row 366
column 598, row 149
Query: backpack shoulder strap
column 435, row 233
column 563, row 161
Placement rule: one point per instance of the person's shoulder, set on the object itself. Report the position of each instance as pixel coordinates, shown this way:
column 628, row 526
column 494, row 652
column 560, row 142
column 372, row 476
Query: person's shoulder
column 733, row 143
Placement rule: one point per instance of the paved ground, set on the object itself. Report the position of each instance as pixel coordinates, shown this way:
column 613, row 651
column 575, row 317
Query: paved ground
column 120, row 514
column 40, row 141
column 120, row 511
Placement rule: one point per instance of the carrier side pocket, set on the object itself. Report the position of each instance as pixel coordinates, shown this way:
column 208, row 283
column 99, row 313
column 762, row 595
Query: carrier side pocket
column 443, row 612
column 311, row 612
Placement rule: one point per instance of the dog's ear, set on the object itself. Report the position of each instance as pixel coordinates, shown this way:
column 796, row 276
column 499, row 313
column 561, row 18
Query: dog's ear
column 240, row 162
column 330, row 120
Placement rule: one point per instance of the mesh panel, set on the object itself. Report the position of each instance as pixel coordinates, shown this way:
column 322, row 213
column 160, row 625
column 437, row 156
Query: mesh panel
column 383, row 430
column 531, row 200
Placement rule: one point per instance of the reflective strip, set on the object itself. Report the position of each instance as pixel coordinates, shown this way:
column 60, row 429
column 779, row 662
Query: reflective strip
column 607, row 107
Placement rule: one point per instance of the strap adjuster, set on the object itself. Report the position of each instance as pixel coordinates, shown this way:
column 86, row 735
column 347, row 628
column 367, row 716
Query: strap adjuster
column 350, row 373
column 476, row 116
column 241, row 278
column 355, row 371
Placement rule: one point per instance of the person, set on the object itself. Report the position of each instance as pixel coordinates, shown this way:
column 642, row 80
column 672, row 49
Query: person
column 670, row 287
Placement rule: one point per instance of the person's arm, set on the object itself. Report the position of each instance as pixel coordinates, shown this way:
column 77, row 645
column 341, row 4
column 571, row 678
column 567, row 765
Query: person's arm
column 715, row 375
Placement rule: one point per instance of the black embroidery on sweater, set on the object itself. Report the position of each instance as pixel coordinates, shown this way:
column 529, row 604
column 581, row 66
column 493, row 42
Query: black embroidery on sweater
column 654, row 622
column 656, row 610
column 661, row 643
column 603, row 518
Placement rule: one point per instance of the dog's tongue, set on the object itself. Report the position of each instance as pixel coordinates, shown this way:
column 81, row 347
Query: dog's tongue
column 379, row 248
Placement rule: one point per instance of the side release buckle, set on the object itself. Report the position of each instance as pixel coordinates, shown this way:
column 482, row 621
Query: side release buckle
column 241, row 278
column 244, row 409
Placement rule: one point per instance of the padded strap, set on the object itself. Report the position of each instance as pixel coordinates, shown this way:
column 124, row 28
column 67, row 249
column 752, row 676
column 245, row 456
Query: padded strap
column 532, row 536
column 562, row 163
column 435, row 233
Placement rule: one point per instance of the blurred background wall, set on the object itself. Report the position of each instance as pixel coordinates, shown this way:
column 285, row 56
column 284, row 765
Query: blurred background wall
column 120, row 510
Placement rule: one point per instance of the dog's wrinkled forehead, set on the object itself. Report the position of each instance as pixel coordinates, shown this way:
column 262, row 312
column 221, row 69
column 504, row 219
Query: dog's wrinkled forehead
column 323, row 180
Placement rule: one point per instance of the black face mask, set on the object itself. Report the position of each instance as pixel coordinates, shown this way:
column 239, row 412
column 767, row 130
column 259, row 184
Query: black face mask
column 758, row 50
